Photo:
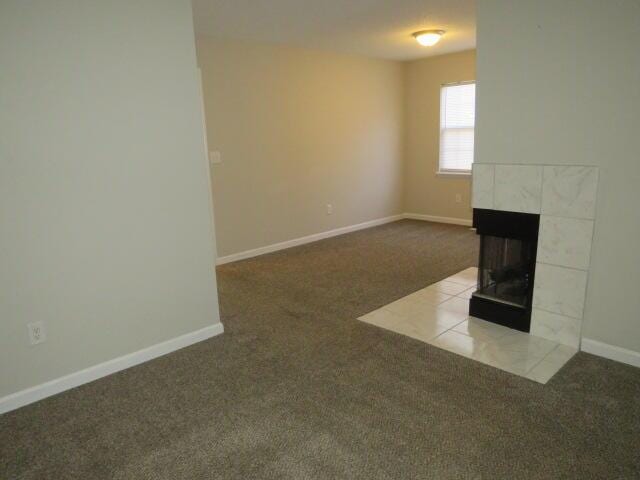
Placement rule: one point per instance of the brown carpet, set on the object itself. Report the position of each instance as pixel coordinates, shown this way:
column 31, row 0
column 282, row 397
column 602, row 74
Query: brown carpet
column 298, row 389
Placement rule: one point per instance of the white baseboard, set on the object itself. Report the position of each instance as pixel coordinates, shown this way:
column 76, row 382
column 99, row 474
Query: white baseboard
column 303, row 240
column 434, row 218
column 611, row 352
column 53, row 387
column 333, row 233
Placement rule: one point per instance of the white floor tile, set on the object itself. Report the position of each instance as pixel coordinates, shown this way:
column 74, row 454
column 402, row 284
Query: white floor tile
column 525, row 343
column 456, row 304
column 388, row 320
column 551, row 364
column 381, row 318
column 542, row 372
column 467, row 293
column 482, row 330
column 439, row 315
column 405, row 307
column 424, row 329
column 468, row 278
column 459, row 343
column 517, row 362
column 561, row 355
column 449, row 288
column 431, row 297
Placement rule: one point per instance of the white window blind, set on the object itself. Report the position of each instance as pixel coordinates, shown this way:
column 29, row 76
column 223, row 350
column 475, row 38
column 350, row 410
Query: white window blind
column 457, row 124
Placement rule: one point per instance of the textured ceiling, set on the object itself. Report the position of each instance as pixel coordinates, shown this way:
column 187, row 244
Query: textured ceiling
column 376, row 28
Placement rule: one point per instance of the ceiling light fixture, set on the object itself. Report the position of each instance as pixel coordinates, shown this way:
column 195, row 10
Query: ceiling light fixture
column 428, row 38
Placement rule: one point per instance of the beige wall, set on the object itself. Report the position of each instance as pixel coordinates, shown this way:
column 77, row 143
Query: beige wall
column 104, row 200
column 298, row 130
column 558, row 84
column 425, row 192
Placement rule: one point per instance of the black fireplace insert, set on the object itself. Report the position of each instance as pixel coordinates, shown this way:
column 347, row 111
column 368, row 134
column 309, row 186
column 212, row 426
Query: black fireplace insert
column 506, row 270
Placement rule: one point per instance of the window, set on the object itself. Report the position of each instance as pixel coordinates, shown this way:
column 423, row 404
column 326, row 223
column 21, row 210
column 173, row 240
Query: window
column 457, row 123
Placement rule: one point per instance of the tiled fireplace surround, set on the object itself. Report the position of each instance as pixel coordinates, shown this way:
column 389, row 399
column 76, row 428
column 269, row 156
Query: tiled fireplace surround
column 565, row 199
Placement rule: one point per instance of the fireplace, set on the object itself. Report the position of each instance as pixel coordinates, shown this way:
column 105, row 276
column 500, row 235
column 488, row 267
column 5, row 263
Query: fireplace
column 506, row 270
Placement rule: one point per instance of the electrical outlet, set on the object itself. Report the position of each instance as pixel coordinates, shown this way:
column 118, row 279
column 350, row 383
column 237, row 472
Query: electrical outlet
column 329, row 209
column 215, row 157
column 37, row 333
column 458, row 198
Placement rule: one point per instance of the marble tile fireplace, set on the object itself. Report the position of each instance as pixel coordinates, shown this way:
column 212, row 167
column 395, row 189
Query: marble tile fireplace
column 521, row 310
column 563, row 199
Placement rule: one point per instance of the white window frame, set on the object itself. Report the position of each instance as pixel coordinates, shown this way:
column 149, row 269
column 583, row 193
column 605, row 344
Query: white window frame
column 444, row 171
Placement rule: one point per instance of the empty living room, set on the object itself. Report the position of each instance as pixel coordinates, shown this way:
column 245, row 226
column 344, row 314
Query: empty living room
column 339, row 239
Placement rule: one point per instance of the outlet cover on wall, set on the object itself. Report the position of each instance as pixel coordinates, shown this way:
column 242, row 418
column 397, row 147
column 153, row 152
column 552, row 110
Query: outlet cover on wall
column 37, row 333
column 329, row 209
column 215, row 156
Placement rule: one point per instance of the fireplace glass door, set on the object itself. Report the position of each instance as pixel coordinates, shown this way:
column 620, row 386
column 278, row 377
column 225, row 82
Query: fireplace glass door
column 506, row 270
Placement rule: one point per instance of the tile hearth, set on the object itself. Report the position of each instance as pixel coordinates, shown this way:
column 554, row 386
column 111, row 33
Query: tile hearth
column 438, row 315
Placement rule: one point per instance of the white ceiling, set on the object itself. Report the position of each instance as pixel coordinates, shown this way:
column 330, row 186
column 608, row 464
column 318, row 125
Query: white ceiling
column 376, row 28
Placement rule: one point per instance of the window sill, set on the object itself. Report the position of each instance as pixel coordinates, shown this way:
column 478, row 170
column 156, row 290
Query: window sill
column 461, row 174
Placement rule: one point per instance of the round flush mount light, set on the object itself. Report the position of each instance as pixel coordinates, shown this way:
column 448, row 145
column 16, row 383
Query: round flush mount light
column 428, row 38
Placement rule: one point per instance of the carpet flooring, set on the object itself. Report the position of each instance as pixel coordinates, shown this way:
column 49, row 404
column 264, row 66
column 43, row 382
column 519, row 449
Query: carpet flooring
column 298, row 389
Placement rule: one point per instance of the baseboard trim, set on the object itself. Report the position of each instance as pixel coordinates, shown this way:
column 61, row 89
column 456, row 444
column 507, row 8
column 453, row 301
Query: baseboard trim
column 334, row 233
column 53, row 387
column 611, row 352
column 434, row 218
column 304, row 240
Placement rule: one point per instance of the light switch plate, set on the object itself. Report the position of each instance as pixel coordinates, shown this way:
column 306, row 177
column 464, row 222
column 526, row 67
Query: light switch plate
column 215, row 157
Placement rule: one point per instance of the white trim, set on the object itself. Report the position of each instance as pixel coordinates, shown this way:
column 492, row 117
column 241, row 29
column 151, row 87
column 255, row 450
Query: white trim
column 454, row 174
column 611, row 352
column 53, row 387
column 434, row 218
column 234, row 257
column 303, row 240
